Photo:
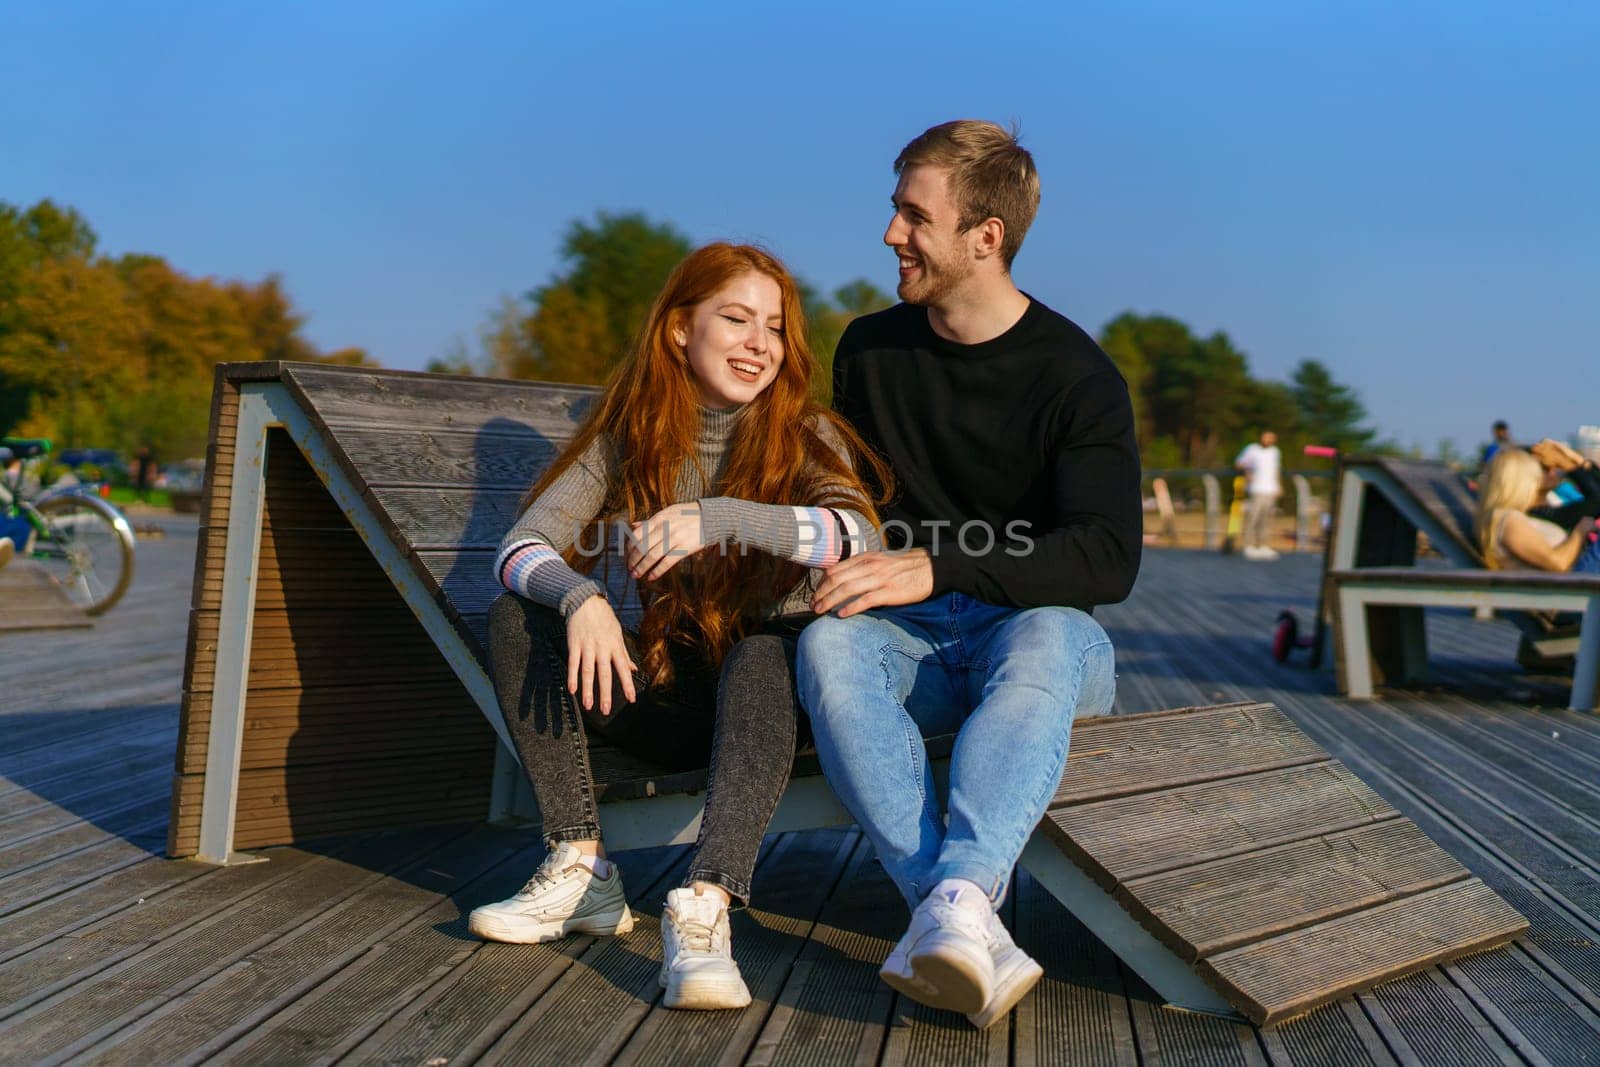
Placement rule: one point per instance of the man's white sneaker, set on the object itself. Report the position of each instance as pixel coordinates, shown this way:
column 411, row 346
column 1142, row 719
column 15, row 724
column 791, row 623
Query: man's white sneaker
column 1015, row 972
column 563, row 897
column 697, row 968
column 943, row 959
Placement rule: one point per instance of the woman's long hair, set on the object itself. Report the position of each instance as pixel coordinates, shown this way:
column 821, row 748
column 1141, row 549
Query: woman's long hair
column 1509, row 483
column 649, row 416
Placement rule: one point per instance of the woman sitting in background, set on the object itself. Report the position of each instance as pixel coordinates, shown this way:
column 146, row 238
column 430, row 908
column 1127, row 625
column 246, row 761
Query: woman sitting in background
column 1516, row 483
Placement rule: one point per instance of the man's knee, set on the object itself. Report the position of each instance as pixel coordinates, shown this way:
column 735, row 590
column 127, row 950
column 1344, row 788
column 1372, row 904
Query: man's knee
column 826, row 645
column 1040, row 642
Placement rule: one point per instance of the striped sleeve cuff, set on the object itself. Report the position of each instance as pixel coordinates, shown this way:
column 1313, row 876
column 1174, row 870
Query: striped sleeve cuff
column 534, row 570
column 825, row 536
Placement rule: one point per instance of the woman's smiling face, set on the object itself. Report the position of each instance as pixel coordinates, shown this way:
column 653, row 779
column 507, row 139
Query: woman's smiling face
column 734, row 340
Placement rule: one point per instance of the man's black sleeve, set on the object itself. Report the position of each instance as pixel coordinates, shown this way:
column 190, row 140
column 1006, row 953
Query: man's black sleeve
column 1566, row 516
column 1090, row 555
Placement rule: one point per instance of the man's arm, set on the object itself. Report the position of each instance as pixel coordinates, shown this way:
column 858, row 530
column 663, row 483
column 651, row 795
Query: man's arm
column 1091, row 555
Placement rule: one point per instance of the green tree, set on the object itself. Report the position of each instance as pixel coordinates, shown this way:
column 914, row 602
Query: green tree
column 825, row 323
column 1330, row 413
column 577, row 326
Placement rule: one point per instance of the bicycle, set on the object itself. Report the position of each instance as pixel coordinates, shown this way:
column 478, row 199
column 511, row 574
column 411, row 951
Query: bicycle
column 83, row 542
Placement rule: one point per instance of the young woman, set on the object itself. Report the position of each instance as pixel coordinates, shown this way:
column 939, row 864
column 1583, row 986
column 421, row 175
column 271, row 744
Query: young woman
column 731, row 490
column 1515, row 483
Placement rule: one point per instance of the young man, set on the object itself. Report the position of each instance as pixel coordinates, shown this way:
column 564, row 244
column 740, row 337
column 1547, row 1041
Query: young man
column 1011, row 438
column 1261, row 463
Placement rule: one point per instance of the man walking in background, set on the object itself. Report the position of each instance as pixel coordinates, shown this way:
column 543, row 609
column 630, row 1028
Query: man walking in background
column 1010, row 435
column 1262, row 465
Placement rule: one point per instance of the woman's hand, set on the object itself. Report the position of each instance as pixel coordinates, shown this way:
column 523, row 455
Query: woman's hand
column 664, row 540
column 595, row 650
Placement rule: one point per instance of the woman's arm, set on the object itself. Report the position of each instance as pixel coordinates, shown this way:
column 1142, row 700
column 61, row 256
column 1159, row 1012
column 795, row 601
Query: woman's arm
column 819, row 533
column 812, row 536
column 1523, row 540
column 529, row 561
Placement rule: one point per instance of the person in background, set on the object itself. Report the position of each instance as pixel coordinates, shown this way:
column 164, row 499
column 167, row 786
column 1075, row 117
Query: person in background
column 1262, row 465
column 1502, row 439
column 144, row 471
column 1513, row 527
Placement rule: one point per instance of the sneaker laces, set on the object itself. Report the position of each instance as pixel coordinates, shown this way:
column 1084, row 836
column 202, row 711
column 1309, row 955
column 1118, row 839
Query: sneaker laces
column 545, row 875
column 697, row 936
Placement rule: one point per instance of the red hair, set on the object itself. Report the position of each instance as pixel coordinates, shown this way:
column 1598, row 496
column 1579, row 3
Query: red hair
column 650, row 415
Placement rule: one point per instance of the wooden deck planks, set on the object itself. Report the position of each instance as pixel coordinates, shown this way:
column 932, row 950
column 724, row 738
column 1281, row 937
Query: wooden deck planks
column 1078, row 1013
column 1133, row 837
column 832, row 1008
column 1294, row 972
column 468, row 1008
column 791, row 885
column 91, row 1009
column 1213, row 907
column 1122, row 755
column 231, row 1003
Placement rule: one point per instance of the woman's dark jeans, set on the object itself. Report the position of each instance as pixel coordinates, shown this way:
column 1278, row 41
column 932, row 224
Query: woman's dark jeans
column 745, row 722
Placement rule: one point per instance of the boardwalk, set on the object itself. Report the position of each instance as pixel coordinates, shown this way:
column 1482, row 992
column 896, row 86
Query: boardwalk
column 355, row 951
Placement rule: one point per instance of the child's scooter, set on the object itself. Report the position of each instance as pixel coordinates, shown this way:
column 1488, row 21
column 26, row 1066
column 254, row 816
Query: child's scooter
column 1286, row 636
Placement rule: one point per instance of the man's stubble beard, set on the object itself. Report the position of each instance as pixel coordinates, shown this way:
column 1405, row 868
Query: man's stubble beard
column 938, row 281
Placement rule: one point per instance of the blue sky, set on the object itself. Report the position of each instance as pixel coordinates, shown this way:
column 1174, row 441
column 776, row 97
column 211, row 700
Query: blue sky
column 1410, row 193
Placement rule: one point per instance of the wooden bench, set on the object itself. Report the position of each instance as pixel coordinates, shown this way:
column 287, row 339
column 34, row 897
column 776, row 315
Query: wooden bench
column 335, row 682
column 1377, row 590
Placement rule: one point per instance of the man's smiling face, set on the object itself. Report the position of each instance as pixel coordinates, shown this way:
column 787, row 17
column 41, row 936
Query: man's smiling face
column 934, row 254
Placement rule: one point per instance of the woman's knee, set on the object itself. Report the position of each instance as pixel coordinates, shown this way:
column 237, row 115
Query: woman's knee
column 515, row 618
column 759, row 662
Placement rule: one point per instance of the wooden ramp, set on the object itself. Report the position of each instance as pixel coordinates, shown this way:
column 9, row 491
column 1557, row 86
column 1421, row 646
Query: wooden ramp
column 1255, row 857
column 335, row 681
column 31, row 600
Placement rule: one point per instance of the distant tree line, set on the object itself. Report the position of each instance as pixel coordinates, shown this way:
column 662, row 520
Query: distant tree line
column 118, row 352
column 1194, row 397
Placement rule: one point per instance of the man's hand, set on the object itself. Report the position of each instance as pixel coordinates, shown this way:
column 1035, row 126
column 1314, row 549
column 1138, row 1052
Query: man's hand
column 664, row 540
column 875, row 580
column 594, row 650
column 1556, row 456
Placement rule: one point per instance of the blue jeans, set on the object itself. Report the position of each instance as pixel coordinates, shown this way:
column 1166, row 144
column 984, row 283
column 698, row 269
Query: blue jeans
column 1588, row 561
column 1008, row 681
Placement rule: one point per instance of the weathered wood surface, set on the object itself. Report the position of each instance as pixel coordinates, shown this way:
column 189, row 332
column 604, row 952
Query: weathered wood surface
column 30, row 600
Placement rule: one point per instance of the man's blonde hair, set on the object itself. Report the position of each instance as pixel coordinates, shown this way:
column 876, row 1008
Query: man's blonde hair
column 991, row 175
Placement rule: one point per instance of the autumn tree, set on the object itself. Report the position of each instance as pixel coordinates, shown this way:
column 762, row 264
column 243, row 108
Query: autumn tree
column 119, row 352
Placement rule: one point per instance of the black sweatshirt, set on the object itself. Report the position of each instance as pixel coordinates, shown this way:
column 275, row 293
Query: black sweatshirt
column 1033, row 427
column 1566, row 516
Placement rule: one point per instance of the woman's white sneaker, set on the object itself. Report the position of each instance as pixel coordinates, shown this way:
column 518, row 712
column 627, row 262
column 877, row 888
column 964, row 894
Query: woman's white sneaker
column 563, row 897
column 697, row 968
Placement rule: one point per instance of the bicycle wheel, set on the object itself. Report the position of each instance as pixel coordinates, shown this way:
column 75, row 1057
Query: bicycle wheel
column 87, row 546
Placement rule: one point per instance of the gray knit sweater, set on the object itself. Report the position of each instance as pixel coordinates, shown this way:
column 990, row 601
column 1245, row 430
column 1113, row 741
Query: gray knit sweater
column 814, row 534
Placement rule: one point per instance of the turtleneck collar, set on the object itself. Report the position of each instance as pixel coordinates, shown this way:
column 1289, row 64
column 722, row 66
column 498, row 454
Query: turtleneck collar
column 717, row 426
